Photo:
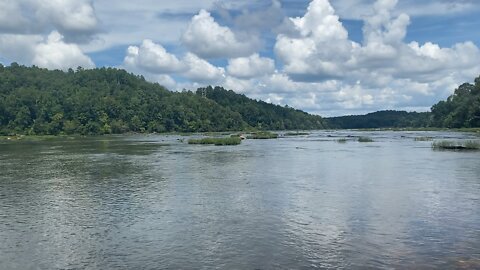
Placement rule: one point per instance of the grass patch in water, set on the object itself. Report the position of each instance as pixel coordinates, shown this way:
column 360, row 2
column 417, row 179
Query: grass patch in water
column 456, row 145
column 217, row 141
column 297, row 133
column 341, row 140
column 423, row 139
column 365, row 139
column 263, row 135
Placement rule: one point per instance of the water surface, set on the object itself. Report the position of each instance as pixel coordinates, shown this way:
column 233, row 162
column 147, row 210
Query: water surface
column 306, row 202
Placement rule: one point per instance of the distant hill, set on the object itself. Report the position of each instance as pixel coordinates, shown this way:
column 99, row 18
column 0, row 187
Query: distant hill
column 381, row 119
column 108, row 100
column 262, row 115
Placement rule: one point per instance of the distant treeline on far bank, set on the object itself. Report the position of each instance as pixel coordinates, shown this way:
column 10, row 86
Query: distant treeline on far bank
column 460, row 110
column 36, row 101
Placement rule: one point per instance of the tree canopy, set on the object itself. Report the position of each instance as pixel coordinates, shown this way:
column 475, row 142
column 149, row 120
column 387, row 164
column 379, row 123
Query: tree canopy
column 262, row 115
column 381, row 119
column 462, row 109
column 107, row 100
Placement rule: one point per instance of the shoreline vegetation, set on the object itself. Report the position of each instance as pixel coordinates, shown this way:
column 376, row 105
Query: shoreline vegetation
column 36, row 101
column 239, row 133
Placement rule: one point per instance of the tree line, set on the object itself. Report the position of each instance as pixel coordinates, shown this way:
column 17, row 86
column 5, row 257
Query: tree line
column 460, row 110
column 36, row 101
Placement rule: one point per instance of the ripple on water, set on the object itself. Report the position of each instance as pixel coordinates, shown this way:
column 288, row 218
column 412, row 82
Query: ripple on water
column 292, row 203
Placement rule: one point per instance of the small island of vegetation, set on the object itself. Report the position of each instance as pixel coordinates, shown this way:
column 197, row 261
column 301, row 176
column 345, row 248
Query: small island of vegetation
column 217, row 141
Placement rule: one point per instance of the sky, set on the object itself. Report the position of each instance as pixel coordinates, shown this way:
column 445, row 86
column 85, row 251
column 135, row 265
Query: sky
column 327, row 57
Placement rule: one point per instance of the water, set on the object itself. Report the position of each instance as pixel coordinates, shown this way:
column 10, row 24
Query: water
column 155, row 202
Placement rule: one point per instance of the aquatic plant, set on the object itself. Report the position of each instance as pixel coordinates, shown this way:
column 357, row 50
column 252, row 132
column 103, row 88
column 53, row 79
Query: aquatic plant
column 423, row 139
column 217, row 141
column 297, row 133
column 365, row 139
column 263, row 135
column 342, row 140
column 456, row 145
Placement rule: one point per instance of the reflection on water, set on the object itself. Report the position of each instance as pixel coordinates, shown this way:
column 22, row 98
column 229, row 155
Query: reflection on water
column 304, row 202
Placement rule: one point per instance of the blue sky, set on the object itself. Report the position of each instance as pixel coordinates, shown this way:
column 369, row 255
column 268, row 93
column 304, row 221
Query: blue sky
column 329, row 57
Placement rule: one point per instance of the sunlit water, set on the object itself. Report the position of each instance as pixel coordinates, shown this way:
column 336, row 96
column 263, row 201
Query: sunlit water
column 155, row 202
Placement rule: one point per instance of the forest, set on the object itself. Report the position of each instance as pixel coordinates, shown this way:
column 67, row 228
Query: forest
column 381, row 119
column 460, row 110
column 36, row 101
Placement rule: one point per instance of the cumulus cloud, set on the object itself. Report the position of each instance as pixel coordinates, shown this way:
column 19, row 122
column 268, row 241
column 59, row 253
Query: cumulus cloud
column 56, row 54
column 202, row 71
column 19, row 48
column 153, row 58
column 323, row 70
column 382, row 72
column 321, row 48
column 51, row 52
column 207, row 39
column 74, row 19
column 249, row 67
column 318, row 48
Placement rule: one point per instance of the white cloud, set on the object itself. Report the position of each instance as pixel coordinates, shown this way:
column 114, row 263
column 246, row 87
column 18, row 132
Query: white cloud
column 11, row 18
column 162, row 79
column 51, row 52
column 252, row 66
column 202, row 71
column 207, row 39
column 320, row 47
column 74, row 19
column 153, row 58
column 360, row 9
column 19, row 48
column 56, row 54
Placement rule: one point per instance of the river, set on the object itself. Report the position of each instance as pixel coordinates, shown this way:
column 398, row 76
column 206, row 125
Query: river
column 303, row 202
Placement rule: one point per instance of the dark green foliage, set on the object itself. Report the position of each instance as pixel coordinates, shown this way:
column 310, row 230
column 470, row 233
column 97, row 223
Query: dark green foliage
column 107, row 100
column 381, row 119
column 262, row 115
column 460, row 110
column 263, row 135
column 365, row 139
column 217, row 141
